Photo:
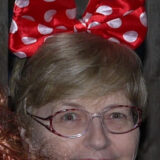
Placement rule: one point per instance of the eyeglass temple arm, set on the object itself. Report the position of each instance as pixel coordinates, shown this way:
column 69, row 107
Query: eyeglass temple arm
column 41, row 118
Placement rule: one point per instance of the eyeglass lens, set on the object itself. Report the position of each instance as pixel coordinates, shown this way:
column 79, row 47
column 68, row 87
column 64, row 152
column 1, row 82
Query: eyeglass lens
column 116, row 120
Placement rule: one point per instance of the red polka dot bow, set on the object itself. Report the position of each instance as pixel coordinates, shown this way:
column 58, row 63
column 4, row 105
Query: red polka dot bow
column 121, row 21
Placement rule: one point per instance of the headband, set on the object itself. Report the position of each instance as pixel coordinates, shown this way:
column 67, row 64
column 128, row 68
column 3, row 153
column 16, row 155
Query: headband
column 121, row 21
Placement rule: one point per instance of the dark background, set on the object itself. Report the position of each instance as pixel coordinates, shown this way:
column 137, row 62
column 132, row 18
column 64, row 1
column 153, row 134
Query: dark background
column 149, row 53
column 3, row 42
column 150, row 149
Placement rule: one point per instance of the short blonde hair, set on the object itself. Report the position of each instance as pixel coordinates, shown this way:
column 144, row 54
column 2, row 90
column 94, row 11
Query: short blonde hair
column 80, row 64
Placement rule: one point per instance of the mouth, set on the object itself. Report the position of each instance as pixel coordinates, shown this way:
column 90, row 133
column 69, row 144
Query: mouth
column 95, row 159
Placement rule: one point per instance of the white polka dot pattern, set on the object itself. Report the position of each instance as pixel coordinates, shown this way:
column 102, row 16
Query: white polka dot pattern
column 48, row 16
column 115, row 23
column 20, row 54
column 30, row 29
column 130, row 36
column 128, row 12
column 61, row 27
column 87, row 17
column 22, row 3
column 113, row 39
column 143, row 19
column 14, row 27
column 28, row 40
column 28, row 17
column 75, row 29
column 93, row 24
column 105, row 10
column 82, row 22
column 71, row 13
column 44, row 29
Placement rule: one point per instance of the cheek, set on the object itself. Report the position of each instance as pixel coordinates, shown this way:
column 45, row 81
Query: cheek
column 50, row 146
column 58, row 148
column 126, row 144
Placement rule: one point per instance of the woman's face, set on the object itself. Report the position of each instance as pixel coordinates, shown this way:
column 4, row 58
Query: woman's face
column 96, row 144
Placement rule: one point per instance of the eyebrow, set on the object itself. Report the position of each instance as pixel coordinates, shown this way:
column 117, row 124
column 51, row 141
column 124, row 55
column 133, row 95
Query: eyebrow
column 65, row 104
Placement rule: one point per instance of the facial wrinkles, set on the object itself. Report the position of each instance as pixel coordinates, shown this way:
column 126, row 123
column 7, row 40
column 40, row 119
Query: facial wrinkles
column 91, row 105
column 52, row 147
column 98, row 104
column 55, row 151
column 49, row 152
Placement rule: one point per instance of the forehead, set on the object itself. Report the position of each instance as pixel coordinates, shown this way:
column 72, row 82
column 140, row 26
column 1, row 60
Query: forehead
column 99, row 103
column 91, row 104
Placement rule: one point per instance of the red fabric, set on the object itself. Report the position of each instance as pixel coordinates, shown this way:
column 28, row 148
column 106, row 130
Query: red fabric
column 123, row 21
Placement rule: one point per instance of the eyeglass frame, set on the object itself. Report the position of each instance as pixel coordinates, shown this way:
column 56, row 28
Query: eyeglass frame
column 91, row 116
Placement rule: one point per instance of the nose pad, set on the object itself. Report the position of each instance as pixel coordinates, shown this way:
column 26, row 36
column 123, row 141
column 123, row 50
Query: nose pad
column 96, row 138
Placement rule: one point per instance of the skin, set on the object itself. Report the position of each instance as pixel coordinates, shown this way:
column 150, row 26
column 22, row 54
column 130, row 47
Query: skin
column 94, row 145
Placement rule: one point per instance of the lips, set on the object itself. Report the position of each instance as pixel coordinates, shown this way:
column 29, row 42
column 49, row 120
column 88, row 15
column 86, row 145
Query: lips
column 97, row 157
column 94, row 159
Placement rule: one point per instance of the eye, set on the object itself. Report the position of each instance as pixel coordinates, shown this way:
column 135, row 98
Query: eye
column 69, row 117
column 118, row 115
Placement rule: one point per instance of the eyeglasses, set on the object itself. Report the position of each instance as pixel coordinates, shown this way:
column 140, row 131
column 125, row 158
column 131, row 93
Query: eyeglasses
column 73, row 123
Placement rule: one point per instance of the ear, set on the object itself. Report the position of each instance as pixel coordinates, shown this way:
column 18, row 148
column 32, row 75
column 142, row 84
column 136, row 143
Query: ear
column 25, row 140
column 23, row 135
column 27, row 143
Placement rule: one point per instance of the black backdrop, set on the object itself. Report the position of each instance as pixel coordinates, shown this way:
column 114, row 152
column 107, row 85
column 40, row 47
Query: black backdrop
column 3, row 42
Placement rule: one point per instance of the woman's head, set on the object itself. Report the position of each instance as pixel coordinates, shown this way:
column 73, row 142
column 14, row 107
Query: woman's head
column 75, row 65
column 88, row 71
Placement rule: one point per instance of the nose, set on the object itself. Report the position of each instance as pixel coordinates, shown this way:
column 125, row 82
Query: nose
column 96, row 138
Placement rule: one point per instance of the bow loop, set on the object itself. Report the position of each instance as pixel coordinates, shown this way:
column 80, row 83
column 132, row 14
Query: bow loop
column 80, row 26
column 121, row 21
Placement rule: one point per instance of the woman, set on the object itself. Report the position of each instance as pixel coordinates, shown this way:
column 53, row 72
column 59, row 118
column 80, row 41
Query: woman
column 80, row 98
